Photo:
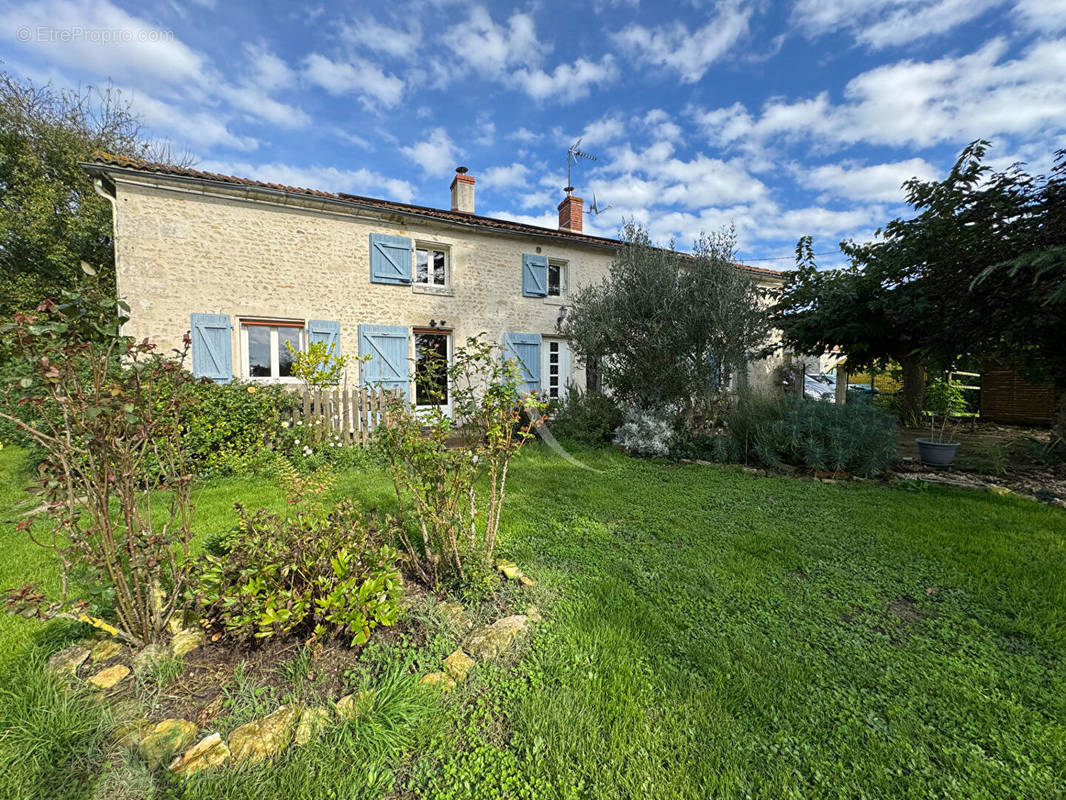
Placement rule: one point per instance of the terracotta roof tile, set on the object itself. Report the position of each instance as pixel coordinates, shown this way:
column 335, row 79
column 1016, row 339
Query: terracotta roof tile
column 101, row 160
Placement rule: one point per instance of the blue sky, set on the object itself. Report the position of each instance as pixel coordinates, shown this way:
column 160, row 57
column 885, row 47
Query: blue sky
column 783, row 118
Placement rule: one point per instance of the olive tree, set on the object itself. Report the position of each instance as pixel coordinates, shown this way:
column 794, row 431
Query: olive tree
column 671, row 329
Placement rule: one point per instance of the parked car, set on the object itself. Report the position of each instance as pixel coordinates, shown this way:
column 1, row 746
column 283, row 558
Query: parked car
column 820, row 387
column 863, row 390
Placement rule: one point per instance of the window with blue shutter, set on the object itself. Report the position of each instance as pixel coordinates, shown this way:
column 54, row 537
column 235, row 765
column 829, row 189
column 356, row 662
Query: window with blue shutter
column 534, row 275
column 389, row 365
column 524, row 348
column 390, row 259
column 211, row 349
column 320, row 330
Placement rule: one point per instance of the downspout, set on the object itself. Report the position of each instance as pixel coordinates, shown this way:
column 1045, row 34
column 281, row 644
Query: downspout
column 98, row 187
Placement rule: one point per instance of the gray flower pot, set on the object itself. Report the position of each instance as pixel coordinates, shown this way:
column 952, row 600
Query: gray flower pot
column 936, row 454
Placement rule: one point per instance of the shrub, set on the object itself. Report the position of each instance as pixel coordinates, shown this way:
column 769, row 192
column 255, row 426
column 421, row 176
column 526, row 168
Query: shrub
column 645, row 433
column 309, row 572
column 230, row 426
column 436, row 461
column 589, row 417
column 768, row 430
column 115, row 475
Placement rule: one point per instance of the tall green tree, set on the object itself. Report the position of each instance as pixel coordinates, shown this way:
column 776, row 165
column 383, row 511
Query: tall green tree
column 51, row 219
column 668, row 328
column 978, row 270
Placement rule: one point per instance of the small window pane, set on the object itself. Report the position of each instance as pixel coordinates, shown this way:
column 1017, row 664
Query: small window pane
column 422, row 266
column 554, row 279
column 258, row 351
column 438, row 267
column 284, row 356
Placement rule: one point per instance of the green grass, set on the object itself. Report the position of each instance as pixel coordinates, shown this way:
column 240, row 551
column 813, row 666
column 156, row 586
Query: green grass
column 714, row 634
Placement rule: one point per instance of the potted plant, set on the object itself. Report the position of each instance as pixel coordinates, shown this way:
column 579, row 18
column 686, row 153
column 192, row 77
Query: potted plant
column 944, row 401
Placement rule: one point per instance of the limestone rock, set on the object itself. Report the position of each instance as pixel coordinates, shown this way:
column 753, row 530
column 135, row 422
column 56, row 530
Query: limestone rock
column 458, row 664
column 210, row 751
column 164, row 740
column 348, row 706
column 66, row 661
column 488, row 642
column 264, row 738
column 130, row 734
column 149, row 657
column 186, row 641
column 104, row 650
column 440, row 679
column 312, row 722
column 509, row 569
column 110, row 677
column 455, row 616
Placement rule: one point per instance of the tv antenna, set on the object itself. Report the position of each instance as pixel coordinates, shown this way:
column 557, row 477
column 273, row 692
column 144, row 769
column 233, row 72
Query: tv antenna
column 572, row 155
column 595, row 208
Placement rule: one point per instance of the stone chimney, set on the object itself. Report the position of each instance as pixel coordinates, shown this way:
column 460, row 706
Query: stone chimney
column 463, row 191
column 570, row 213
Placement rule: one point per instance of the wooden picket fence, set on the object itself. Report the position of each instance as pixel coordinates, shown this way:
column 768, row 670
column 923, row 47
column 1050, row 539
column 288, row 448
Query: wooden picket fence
column 351, row 414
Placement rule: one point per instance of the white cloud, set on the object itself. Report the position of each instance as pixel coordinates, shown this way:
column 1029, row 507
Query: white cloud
column 525, row 136
column 886, row 23
column 369, row 33
column 324, row 178
column 567, row 82
column 437, row 155
column 112, row 42
column 548, row 219
column 876, row 183
column 688, row 52
column 504, row 177
column 199, row 128
column 267, row 70
column 917, row 103
column 1047, row 16
column 373, row 86
column 491, row 49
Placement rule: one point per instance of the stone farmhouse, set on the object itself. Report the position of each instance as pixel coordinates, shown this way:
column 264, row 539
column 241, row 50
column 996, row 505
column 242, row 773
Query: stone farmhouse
column 246, row 266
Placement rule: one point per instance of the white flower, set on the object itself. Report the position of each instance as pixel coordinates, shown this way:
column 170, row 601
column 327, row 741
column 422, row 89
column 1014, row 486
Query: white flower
column 299, row 422
column 295, row 441
column 284, row 424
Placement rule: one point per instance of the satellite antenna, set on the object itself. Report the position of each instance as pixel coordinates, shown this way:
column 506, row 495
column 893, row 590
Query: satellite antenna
column 595, row 208
column 572, row 155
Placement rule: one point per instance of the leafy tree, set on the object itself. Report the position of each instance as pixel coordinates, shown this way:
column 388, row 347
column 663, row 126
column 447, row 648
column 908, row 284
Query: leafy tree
column 670, row 329
column 978, row 270
column 51, row 219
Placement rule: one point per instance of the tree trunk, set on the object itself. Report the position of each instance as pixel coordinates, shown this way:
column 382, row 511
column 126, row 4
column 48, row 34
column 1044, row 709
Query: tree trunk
column 913, row 387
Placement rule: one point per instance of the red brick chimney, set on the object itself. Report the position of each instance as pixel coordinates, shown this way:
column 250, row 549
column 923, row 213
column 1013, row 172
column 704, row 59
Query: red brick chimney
column 570, row 213
column 463, row 191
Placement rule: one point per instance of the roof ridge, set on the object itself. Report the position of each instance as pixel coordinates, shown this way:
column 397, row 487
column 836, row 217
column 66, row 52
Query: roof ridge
column 104, row 158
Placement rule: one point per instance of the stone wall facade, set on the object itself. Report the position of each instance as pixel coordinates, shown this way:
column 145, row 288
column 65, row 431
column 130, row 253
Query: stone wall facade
column 182, row 249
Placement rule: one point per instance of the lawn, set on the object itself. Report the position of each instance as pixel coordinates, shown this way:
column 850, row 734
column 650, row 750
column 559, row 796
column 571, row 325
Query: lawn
column 710, row 633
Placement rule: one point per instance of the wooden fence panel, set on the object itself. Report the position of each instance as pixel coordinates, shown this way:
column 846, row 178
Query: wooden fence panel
column 351, row 415
column 1007, row 397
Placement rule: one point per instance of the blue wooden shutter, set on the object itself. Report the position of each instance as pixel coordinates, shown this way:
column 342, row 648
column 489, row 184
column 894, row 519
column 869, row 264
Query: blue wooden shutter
column 390, row 258
column 211, row 352
column 525, row 349
column 320, row 330
column 534, row 275
column 390, row 357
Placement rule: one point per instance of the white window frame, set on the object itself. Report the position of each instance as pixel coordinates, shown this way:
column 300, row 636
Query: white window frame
column 449, row 338
column 564, row 280
column 428, row 286
column 566, row 376
column 274, row 325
